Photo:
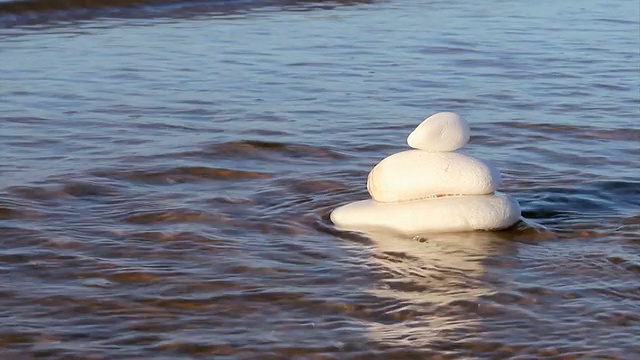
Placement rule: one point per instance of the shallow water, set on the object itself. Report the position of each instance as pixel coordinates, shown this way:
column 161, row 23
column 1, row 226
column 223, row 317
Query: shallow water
column 168, row 169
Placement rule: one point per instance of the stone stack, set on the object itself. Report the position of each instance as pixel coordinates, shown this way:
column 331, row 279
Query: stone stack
column 432, row 188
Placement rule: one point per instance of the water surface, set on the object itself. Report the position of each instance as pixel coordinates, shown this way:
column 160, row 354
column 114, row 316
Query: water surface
column 168, row 169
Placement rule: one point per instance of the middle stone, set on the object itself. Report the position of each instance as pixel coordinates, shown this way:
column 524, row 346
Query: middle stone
column 417, row 174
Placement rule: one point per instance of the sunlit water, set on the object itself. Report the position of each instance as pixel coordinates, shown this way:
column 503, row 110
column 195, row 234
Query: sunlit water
column 167, row 172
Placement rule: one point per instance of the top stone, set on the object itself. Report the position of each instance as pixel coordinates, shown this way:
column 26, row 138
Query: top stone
column 440, row 132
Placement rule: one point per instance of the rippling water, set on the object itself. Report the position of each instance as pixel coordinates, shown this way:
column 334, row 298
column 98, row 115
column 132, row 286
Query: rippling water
column 168, row 169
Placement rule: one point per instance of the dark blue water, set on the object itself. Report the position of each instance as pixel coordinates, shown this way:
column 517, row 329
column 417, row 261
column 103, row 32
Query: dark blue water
column 168, row 169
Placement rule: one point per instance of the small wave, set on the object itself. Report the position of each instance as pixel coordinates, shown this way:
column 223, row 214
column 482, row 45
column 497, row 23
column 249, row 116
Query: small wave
column 12, row 210
column 35, row 193
column 173, row 216
column 188, row 174
column 325, row 226
column 31, row 6
column 170, row 237
column 20, row 7
column 21, row 12
column 258, row 149
column 316, row 186
column 582, row 132
column 9, row 213
column 626, row 264
column 616, row 191
column 88, row 189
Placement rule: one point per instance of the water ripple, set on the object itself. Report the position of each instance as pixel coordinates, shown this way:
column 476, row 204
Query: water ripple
column 169, row 169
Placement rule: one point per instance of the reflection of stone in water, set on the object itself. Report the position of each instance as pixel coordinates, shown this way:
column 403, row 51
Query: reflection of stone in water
column 433, row 283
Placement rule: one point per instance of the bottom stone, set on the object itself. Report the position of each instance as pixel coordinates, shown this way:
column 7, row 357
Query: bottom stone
column 437, row 215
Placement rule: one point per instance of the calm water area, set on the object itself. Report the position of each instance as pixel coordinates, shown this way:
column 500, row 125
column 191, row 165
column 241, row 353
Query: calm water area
column 167, row 170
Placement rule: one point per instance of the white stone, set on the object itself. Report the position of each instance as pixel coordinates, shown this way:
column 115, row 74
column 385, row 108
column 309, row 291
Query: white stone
column 439, row 215
column 445, row 131
column 417, row 174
